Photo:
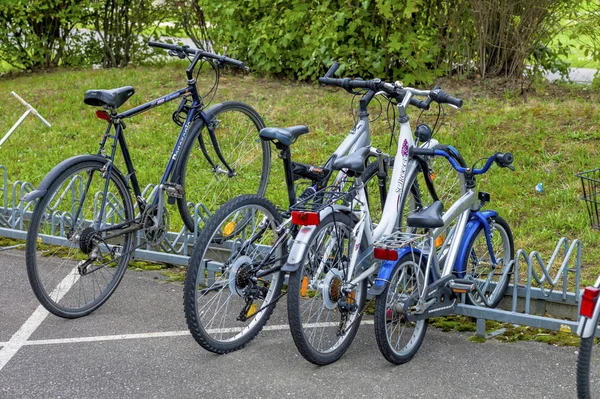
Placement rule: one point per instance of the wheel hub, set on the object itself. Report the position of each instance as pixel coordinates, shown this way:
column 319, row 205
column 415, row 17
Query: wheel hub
column 332, row 288
column 86, row 240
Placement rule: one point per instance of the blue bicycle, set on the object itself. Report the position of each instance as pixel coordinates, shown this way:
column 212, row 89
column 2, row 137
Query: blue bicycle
column 420, row 279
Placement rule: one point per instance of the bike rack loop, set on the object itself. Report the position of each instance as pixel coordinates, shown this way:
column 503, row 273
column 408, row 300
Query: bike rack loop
column 555, row 293
column 14, row 212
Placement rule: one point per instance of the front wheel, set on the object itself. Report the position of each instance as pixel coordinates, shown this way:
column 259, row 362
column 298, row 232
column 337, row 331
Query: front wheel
column 491, row 277
column 398, row 338
column 324, row 315
column 206, row 187
column 226, row 299
column 75, row 253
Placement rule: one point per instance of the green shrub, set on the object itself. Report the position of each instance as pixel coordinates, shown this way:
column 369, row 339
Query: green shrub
column 35, row 33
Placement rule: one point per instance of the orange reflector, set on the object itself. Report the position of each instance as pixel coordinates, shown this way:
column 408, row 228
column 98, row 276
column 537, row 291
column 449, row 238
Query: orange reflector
column 432, row 175
column 229, row 227
column 385, row 254
column 252, row 310
column 103, row 115
column 439, row 241
column 304, row 286
column 351, row 297
column 303, row 218
column 588, row 301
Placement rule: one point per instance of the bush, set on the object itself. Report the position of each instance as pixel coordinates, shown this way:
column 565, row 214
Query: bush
column 385, row 38
column 35, row 33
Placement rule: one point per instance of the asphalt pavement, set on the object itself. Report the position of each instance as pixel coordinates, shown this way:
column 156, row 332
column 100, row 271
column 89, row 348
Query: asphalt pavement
column 137, row 346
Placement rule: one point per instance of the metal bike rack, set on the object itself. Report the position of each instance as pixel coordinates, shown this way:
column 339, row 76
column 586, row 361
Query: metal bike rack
column 548, row 290
column 14, row 212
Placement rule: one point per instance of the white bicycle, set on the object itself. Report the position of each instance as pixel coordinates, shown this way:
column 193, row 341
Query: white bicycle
column 331, row 260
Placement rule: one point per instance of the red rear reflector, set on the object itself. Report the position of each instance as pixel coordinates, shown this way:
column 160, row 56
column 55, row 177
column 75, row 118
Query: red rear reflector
column 103, row 115
column 385, row 254
column 303, row 218
column 588, row 301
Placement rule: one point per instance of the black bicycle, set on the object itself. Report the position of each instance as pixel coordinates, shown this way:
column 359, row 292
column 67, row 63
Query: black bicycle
column 82, row 232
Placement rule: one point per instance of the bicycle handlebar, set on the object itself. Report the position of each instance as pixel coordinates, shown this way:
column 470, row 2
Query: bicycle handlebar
column 394, row 90
column 183, row 51
column 503, row 160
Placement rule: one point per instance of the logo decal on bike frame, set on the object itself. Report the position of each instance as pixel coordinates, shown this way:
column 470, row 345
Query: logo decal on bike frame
column 404, row 153
column 405, row 148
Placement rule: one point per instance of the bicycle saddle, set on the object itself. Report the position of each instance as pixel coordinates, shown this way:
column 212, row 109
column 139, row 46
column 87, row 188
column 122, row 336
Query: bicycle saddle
column 354, row 162
column 430, row 217
column 285, row 136
column 110, row 98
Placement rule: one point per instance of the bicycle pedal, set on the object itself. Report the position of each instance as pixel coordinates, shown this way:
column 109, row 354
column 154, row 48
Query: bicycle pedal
column 174, row 190
column 461, row 287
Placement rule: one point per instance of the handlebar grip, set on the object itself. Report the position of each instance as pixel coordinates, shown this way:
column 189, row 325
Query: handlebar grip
column 421, row 151
column 505, row 159
column 334, row 67
column 442, row 97
column 162, row 45
column 330, row 81
column 234, row 62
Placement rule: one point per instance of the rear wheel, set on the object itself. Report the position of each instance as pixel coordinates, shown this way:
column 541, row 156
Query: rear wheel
column 206, row 187
column 226, row 300
column 76, row 258
column 323, row 316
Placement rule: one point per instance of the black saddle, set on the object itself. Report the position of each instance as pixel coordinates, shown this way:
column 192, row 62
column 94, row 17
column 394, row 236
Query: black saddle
column 110, row 98
column 428, row 218
column 285, row 136
column 354, row 162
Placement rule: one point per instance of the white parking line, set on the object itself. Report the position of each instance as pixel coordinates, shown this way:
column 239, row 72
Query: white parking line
column 20, row 338
column 279, row 327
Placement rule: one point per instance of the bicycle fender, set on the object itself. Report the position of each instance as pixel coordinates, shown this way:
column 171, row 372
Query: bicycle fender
column 385, row 271
column 302, row 238
column 587, row 327
column 297, row 252
column 475, row 220
column 41, row 190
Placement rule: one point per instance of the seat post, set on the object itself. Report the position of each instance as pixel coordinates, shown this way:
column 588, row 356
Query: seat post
column 286, row 156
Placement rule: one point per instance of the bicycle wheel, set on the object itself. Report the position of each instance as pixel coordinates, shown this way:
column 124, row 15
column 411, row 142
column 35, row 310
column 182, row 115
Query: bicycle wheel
column 236, row 126
column 478, row 263
column 399, row 339
column 73, row 264
column 323, row 318
column 588, row 368
column 226, row 304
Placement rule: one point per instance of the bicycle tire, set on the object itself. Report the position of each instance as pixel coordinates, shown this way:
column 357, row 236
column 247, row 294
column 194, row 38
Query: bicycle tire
column 224, row 337
column 584, row 365
column 325, row 302
column 54, row 249
column 388, row 313
column 236, row 126
column 478, row 261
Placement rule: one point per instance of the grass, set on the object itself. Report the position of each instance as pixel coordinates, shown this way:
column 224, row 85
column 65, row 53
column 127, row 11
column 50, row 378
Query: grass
column 552, row 133
column 511, row 333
